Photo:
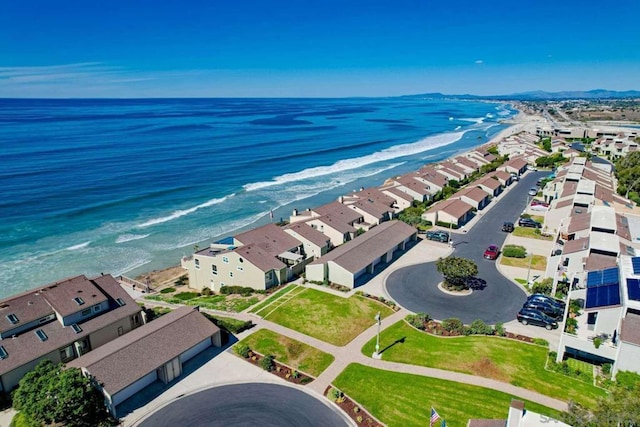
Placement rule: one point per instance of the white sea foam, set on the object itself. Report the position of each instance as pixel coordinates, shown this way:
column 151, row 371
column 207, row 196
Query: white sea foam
column 129, row 237
column 489, row 115
column 76, row 247
column 390, row 153
column 477, row 120
column 183, row 212
column 132, row 266
column 458, row 127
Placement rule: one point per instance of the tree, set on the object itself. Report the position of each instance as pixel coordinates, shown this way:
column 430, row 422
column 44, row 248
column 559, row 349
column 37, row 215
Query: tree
column 50, row 394
column 620, row 408
column 456, row 271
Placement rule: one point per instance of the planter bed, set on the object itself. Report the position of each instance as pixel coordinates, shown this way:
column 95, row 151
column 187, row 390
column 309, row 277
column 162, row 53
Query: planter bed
column 281, row 370
column 359, row 415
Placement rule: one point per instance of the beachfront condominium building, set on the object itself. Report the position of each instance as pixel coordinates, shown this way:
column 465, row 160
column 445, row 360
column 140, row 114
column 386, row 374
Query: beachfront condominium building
column 608, row 331
column 60, row 322
column 260, row 258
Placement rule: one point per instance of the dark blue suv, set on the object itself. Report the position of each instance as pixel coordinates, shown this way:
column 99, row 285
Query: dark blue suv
column 528, row 316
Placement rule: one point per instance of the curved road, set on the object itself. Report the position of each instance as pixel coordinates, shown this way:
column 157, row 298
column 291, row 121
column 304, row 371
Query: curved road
column 247, row 404
column 416, row 287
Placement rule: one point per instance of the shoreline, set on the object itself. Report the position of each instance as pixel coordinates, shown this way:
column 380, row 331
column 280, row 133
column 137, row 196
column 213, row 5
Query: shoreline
column 516, row 124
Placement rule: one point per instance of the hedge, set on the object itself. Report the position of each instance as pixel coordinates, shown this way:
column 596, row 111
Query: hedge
column 514, row 251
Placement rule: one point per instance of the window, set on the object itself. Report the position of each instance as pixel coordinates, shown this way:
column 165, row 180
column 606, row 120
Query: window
column 67, row 354
column 3, row 353
column 120, row 331
column 197, row 261
column 78, row 300
column 77, row 329
column 240, row 268
column 120, row 302
column 86, row 312
column 42, row 335
column 12, row 318
column 96, row 308
column 231, row 274
column 214, row 270
column 240, row 260
column 225, row 259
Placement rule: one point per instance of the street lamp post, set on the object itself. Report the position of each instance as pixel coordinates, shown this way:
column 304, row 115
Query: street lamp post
column 377, row 354
column 529, row 270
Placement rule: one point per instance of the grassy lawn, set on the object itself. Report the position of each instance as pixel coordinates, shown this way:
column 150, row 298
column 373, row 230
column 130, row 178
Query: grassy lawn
column 530, row 233
column 327, row 317
column 538, row 262
column 289, row 351
column 233, row 303
column 579, row 365
column 505, row 360
column 272, row 298
column 399, row 399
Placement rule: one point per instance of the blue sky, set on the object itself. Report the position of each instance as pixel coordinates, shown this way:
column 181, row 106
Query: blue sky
column 322, row 48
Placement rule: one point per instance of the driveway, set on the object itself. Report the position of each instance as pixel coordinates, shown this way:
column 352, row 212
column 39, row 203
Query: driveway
column 416, row 287
column 247, row 404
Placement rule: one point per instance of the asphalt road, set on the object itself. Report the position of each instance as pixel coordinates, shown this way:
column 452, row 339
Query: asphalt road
column 416, row 287
column 250, row 404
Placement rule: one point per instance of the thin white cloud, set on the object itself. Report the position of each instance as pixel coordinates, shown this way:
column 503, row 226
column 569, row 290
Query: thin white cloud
column 479, row 61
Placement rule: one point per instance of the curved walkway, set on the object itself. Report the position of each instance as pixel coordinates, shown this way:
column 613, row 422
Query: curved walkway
column 416, row 287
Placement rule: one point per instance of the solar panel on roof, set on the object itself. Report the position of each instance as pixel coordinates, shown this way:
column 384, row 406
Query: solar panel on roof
column 602, row 277
column 633, row 288
column 635, row 262
column 602, row 296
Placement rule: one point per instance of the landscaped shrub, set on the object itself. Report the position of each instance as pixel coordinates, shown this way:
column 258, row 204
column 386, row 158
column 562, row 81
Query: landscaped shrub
column 453, row 325
column 543, row 287
column 241, row 290
column 267, row 363
column 514, row 251
column 499, row 330
column 234, row 326
column 478, row 327
column 186, row 296
column 418, row 320
column 242, row 350
column 167, row 290
column 181, row 281
column 336, row 395
column 606, row 368
column 540, row 341
column 207, row 292
column 571, row 326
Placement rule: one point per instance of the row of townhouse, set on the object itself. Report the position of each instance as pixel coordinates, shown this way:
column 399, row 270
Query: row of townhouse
column 615, row 146
column 93, row 324
column 597, row 240
column 459, row 208
column 272, row 255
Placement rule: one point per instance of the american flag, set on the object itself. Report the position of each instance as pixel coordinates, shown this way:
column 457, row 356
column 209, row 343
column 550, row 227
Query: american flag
column 434, row 417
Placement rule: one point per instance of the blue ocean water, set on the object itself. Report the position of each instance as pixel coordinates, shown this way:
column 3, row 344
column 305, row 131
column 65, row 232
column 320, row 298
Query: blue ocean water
column 128, row 186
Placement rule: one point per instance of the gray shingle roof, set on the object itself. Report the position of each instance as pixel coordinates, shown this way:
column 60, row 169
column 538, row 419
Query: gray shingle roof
column 130, row 357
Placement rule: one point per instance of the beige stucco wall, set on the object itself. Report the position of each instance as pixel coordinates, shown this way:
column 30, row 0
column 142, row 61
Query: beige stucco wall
column 110, row 332
column 628, row 358
column 336, row 237
column 227, row 273
column 316, row 272
column 339, row 275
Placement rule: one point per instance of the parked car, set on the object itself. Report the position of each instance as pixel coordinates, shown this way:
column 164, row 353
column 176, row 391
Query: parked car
column 528, row 222
column 515, row 176
column 533, row 191
column 437, row 235
column 545, row 307
column 491, row 252
column 536, row 202
column 546, row 298
column 507, row 226
column 528, row 316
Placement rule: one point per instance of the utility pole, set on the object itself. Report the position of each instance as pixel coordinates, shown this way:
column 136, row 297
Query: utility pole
column 377, row 354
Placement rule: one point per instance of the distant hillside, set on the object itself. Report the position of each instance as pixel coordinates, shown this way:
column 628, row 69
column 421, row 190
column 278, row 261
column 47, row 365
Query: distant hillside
column 540, row 95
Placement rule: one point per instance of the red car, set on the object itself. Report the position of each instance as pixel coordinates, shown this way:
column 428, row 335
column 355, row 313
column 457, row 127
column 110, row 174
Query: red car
column 491, row 252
